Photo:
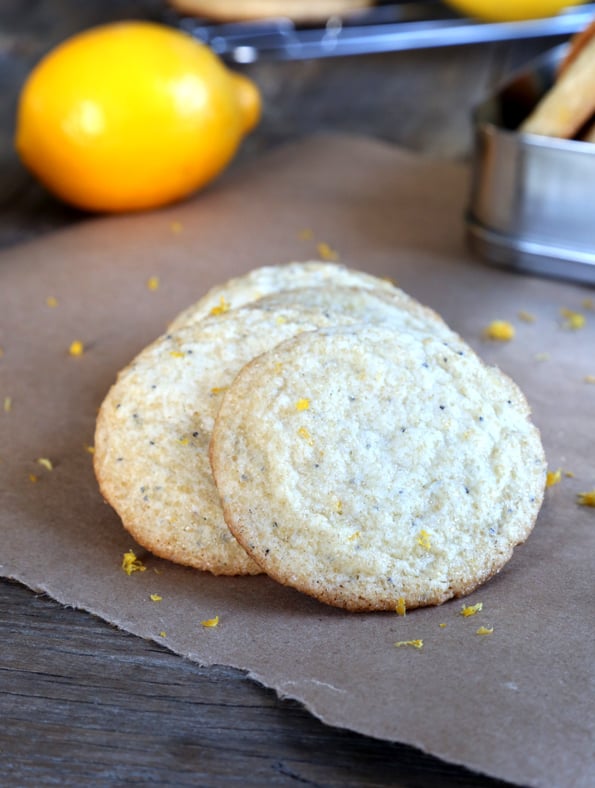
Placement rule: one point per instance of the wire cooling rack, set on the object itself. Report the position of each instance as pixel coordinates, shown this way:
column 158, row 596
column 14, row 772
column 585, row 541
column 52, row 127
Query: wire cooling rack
column 387, row 27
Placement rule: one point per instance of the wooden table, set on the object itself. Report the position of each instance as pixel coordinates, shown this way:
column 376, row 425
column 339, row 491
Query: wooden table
column 82, row 703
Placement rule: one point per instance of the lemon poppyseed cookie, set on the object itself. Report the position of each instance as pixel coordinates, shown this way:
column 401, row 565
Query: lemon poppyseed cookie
column 271, row 279
column 367, row 305
column 153, row 431
column 365, row 466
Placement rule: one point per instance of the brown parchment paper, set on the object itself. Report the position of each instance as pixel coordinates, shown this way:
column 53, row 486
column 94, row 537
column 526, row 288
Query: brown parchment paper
column 516, row 704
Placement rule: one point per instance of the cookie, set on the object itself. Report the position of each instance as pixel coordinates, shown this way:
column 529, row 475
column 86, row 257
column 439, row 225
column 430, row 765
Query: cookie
column 368, row 467
column 153, row 431
column 394, row 308
column 297, row 10
column 271, row 279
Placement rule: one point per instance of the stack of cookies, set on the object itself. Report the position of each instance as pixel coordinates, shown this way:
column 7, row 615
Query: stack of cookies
column 318, row 424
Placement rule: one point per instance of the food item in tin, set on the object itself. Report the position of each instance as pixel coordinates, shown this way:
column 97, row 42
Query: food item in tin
column 240, row 10
column 568, row 107
column 272, row 278
column 372, row 468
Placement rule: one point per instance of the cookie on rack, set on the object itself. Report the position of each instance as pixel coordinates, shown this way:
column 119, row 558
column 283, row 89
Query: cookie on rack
column 369, row 467
column 243, row 10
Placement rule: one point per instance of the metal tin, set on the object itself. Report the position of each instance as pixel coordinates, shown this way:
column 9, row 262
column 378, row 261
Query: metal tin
column 532, row 198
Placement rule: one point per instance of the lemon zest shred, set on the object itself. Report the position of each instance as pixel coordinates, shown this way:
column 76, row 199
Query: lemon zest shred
column 47, row 463
column 401, row 607
column 176, row 227
column 413, row 643
column 527, row 317
column 130, row 563
column 162, row 634
column 219, row 389
column 326, row 252
column 176, row 354
column 153, row 283
column 306, row 234
column 442, row 626
column 423, row 539
column 222, row 307
column 587, row 498
column 7, row 404
column 303, row 433
column 569, row 474
column 553, row 477
column 51, row 301
column 500, row 331
column 33, row 478
column 471, row 610
column 155, row 597
column 573, row 320
column 589, row 378
column 183, row 441
column 354, row 535
column 90, row 449
column 210, row 622
column 76, row 348
column 339, row 507
column 484, row 631
column 302, row 404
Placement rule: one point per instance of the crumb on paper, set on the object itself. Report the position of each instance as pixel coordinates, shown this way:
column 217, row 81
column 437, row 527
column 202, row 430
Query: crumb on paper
column 326, row 252
column 413, row 643
column 153, row 283
column 176, row 227
column 499, row 331
column 306, row 234
column 484, row 631
column 569, row 474
column 46, row 463
column 573, row 321
column 219, row 389
column 76, row 348
column 527, row 317
column 222, row 307
column 354, row 535
column 183, row 441
column 89, row 449
column 401, row 607
column 33, row 478
column 588, row 303
column 209, row 623
column 553, row 477
column 302, row 404
column 541, row 357
column 51, row 301
column 471, row 610
column 589, row 378
column 155, row 597
column 130, row 563
column 423, row 540
column 7, row 404
column 587, row 498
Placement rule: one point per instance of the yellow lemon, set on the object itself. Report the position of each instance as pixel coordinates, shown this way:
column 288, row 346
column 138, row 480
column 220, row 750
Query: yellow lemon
column 511, row 10
column 131, row 115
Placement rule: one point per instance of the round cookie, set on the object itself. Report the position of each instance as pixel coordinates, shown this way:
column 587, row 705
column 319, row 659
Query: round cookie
column 364, row 466
column 273, row 278
column 366, row 305
column 153, row 431
column 298, row 10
